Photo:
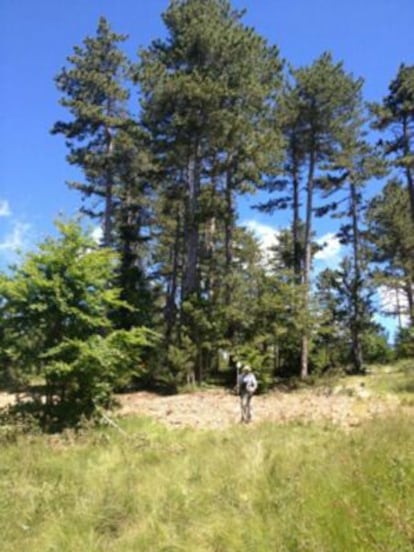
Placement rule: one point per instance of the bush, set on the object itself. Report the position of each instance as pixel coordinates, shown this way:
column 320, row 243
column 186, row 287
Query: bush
column 81, row 375
column 404, row 344
column 55, row 322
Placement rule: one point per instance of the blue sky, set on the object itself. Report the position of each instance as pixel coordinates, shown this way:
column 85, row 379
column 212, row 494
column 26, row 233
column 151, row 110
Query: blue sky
column 372, row 37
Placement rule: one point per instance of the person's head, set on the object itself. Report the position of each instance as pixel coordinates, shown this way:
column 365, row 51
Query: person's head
column 246, row 369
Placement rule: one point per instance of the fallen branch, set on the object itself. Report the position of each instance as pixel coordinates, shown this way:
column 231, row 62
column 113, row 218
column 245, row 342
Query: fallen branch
column 113, row 424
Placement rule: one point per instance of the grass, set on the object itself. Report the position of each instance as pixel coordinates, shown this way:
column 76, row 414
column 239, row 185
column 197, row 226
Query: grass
column 396, row 379
column 259, row 488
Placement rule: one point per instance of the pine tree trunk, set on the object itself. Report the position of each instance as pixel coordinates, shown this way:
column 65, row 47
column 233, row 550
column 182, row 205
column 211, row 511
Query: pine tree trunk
column 191, row 236
column 304, row 360
column 129, row 229
column 304, row 356
column 296, row 237
column 228, row 233
column 108, row 211
column 410, row 181
column 356, row 299
column 297, row 249
column 191, row 229
column 410, row 298
column 410, row 186
column 170, row 307
column 211, row 282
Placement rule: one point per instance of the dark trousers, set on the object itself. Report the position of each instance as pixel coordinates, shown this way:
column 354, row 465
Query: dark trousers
column 246, row 411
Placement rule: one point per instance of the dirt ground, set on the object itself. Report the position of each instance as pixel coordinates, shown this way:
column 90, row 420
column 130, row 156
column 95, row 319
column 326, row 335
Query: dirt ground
column 218, row 409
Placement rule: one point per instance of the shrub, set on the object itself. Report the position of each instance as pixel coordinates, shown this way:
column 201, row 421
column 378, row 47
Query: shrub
column 56, row 323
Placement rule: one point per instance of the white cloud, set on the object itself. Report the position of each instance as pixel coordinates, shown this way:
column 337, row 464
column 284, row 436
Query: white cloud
column 18, row 239
column 4, row 208
column 266, row 235
column 394, row 302
column 330, row 254
column 97, row 234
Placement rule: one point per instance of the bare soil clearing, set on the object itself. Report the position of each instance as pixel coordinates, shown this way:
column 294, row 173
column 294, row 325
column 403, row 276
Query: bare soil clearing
column 218, row 409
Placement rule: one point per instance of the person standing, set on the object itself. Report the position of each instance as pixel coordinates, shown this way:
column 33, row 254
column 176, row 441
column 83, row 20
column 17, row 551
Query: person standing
column 247, row 385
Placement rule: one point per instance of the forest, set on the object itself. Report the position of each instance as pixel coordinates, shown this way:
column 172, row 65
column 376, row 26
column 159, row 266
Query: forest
column 176, row 291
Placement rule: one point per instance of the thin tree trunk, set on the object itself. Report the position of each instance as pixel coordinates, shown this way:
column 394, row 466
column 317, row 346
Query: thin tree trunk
column 410, row 182
column 108, row 211
column 410, row 186
column 356, row 300
column 131, row 269
column 211, row 272
column 304, row 361
column 410, row 298
column 297, row 249
column 170, row 307
column 191, row 229
column 397, row 295
column 228, row 233
column 191, row 236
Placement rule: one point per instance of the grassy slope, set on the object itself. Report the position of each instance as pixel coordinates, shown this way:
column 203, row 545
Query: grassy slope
column 259, row 488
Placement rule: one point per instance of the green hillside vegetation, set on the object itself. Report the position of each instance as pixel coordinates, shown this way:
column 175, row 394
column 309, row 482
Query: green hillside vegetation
column 392, row 379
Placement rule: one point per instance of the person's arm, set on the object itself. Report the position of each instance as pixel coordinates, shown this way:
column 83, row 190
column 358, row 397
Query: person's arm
column 239, row 383
column 252, row 383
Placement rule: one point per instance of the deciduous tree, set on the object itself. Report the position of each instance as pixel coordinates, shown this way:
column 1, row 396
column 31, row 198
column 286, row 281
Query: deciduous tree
column 56, row 324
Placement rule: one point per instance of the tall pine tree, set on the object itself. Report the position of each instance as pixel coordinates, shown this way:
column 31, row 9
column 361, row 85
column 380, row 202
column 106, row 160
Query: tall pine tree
column 94, row 93
column 316, row 109
column 396, row 114
column 208, row 92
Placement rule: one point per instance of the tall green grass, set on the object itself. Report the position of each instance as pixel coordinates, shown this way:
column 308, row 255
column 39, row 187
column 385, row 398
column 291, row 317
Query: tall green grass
column 255, row 488
column 397, row 379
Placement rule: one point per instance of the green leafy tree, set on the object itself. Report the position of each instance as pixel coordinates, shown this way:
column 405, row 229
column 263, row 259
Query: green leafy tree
column 404, row 343
column 56, row 324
